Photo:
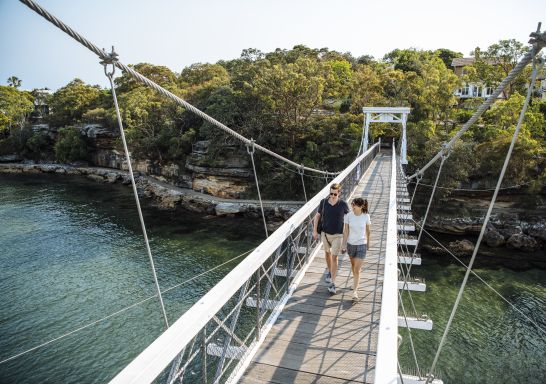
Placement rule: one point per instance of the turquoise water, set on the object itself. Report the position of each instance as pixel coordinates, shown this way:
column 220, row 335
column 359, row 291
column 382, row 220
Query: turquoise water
column 489, row 341
column 72, row 252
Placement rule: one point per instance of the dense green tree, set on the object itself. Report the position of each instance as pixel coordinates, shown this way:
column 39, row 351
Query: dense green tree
column 70, row 146
column 366, row 88
column 340, row 79
column 293, row 90
column 70, row 102
column 15, row 107
column 157, row 73
column 447, row 56
column 407, row 60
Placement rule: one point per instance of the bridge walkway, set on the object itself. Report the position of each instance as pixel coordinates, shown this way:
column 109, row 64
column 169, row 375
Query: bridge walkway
column 324, row 338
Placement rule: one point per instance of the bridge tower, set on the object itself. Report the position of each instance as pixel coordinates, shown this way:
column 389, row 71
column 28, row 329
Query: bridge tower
column 385, row 115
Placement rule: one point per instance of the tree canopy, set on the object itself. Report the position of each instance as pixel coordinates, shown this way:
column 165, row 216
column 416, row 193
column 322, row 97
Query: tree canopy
column 306, row 104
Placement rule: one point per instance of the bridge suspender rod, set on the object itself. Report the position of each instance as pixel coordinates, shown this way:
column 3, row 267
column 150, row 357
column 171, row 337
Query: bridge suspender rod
column 538, row 40
column 250, row 150
column 110, row 75
column 301, row 172
column 488, row 214
column 109, row 58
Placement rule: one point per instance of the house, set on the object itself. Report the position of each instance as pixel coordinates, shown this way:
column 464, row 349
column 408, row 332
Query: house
column 469, row 90
column 41, row 107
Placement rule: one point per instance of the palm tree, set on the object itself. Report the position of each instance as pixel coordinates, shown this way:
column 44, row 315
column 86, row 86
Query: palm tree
column 14, row 81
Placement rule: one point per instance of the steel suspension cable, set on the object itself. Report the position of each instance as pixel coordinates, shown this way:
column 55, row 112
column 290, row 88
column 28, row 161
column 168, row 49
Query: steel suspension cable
column 538, row 41
column 122, row 310
column 410, row 337
column 250, row 149
column 112, row 58
column 419, row 177
column 488, row 214
column 110, row 75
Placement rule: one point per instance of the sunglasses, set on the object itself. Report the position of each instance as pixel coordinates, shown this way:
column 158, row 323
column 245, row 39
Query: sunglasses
column 333, row 194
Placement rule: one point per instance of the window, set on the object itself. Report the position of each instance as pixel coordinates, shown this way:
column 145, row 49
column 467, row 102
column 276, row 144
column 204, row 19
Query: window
column 465, row 91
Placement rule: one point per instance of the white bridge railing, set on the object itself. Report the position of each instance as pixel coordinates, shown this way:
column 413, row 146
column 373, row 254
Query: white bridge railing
column 387, row 348
column 215, row 340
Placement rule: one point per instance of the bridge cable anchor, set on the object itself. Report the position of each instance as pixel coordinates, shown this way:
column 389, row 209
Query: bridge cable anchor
column 109, row 59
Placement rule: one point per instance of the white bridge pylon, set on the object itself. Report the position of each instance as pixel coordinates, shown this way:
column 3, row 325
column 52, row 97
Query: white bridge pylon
column 385, row 115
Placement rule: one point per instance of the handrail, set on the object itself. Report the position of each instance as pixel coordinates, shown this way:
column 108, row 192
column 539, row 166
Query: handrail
column 151, row 362
column 387, row 353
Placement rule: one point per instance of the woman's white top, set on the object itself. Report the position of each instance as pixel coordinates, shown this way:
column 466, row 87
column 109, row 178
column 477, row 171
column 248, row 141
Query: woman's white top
column 357, row 227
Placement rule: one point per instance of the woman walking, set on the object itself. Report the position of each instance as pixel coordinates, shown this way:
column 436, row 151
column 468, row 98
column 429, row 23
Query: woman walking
column 356, row 238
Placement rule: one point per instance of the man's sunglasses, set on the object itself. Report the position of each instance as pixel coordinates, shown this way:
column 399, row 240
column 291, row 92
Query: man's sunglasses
column 333, row 194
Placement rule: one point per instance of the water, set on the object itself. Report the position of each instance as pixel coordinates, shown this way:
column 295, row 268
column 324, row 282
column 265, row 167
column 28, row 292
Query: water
column 72, row 252
column 489, row 341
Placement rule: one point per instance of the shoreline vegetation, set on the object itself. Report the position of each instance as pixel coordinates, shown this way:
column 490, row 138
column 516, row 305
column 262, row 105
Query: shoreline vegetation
column 304, row 103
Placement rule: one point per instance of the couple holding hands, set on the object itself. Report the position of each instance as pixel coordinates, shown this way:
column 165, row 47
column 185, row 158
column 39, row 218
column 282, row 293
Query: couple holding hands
column 343, row 230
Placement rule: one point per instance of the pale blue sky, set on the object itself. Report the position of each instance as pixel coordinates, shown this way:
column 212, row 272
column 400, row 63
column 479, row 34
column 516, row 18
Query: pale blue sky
column 179, row 33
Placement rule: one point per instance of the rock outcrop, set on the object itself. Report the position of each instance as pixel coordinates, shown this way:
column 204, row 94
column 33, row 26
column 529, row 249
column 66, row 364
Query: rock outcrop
column 167, row 196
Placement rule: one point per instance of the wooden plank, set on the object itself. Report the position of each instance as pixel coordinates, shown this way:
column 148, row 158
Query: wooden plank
column 406, row 227
column 340, row 364
column 409, row 260
column 259, row 373
column 411, row 242
column 412, row 286
column 415, row 323
column 324, row 338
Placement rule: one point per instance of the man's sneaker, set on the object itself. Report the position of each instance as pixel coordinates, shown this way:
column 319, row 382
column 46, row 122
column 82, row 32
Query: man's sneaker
column 328, row 278
column 355, row 296
column 332, row 289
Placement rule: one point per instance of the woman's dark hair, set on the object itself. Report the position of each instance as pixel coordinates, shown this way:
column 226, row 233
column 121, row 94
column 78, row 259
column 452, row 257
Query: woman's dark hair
column 362, row 203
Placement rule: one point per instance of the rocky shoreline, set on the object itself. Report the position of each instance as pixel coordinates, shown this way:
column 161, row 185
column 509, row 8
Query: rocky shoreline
column 518, row 246
column 166, row 196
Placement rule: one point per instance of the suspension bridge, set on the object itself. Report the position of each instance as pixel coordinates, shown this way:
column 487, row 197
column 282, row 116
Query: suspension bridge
column 271, row 319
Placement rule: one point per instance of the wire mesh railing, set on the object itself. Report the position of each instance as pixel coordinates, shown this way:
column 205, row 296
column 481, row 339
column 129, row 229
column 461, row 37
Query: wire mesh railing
column 215, row 340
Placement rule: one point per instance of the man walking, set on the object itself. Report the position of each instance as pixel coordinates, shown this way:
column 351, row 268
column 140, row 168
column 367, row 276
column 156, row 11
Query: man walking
column 332, row 211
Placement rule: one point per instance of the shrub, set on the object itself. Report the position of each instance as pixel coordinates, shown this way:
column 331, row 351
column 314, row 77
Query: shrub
column 70, row 146
column 37, row 144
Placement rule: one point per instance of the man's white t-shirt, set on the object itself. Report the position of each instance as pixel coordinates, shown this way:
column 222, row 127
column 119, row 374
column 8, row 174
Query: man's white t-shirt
column 357, row 227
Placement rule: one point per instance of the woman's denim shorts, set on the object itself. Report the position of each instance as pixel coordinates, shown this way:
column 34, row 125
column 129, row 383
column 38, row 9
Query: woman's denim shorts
column 358, row 251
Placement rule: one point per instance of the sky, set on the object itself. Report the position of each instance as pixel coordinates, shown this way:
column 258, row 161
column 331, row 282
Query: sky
column 182, row 32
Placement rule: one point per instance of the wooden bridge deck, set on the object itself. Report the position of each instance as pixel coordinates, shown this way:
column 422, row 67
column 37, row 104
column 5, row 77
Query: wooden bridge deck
column 324, row 338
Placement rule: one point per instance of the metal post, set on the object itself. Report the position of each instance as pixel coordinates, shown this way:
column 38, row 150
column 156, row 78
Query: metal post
column 366, row 128
column 403, row 151
column 204, row 356
column 258, row 306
